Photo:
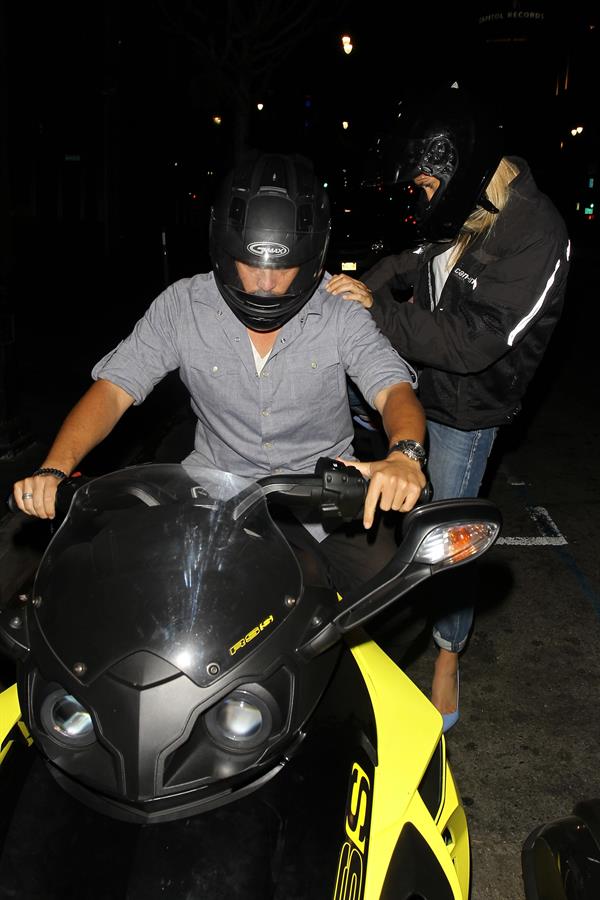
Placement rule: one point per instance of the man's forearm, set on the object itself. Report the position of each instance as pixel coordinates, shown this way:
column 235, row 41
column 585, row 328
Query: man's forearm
column 88, row 423
column 397, row 481
column 402, row 415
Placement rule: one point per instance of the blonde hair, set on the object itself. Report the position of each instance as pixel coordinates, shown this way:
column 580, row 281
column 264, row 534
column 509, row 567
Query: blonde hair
column 481, row 222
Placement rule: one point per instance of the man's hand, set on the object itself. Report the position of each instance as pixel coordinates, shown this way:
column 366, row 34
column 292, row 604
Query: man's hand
column 35, row 496
column 394, row 483
column 88, row 423
column 350, row 289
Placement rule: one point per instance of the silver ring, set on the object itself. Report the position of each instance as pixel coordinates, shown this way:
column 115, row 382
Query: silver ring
column 27, row 496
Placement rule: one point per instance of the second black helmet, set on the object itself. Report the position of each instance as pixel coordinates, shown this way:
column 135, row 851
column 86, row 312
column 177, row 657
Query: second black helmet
column 451, row 137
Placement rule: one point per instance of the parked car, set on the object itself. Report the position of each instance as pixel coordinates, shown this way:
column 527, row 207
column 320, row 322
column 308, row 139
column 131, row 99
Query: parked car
column 367, row 224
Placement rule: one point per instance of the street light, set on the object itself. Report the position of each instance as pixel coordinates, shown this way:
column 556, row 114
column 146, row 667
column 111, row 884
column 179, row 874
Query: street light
column 345, row 125
column 577, row 130
column 347, row 43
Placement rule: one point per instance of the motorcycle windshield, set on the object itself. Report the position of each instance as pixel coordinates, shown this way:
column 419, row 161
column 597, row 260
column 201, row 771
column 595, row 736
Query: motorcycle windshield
column 181, row 562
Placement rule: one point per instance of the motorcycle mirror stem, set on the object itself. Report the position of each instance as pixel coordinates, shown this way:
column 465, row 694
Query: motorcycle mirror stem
column 439, row 536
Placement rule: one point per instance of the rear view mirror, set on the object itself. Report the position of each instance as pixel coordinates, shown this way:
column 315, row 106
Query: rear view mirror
column 436, row 537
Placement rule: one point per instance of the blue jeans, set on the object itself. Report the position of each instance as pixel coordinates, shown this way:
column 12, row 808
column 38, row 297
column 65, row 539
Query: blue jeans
column 457, row 462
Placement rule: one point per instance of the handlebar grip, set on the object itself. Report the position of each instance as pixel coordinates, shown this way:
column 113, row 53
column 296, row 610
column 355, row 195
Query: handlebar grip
column 66, row 491
column 425, row 496
column 64, row 495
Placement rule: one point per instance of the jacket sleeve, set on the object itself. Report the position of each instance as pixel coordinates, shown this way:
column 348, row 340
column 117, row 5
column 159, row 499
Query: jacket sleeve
column 491, row 316
column 396, row 272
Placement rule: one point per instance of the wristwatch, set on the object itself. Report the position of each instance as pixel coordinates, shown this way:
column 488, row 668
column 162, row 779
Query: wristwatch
column 412, row 449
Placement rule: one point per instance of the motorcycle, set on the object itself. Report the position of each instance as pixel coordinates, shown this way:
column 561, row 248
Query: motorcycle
column 210, row 716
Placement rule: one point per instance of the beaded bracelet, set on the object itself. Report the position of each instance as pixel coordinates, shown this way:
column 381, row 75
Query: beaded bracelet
column 49, row 471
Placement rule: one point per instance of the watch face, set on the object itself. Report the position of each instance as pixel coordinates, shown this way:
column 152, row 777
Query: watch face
column 417, row 449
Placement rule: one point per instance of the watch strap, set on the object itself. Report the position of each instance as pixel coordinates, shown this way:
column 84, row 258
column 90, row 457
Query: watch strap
column 412, row 449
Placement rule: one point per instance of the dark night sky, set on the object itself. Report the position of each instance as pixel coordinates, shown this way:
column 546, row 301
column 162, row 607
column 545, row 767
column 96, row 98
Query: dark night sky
column 110, row 144
column 66, row 56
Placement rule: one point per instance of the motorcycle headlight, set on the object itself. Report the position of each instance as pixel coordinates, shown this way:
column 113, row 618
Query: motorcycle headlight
column 66, row 720
column 242, row 721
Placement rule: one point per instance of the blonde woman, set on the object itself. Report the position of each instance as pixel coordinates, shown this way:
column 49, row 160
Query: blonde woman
column 485, row 289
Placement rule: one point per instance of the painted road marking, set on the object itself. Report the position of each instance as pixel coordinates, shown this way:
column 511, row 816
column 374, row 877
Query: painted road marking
column 546, row 526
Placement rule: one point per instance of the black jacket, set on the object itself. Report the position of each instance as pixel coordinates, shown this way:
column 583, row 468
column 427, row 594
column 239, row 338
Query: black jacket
column 479, row 347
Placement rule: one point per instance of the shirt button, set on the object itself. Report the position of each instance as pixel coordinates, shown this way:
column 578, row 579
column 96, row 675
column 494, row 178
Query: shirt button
column 266, row 412
column 264, row 374
column 215, row 368
column 267, row 445
column 313, row 364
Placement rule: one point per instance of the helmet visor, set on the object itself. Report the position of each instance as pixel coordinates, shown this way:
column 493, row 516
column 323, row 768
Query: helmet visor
column 264, row 293
column 434, row 155
column 267, row 281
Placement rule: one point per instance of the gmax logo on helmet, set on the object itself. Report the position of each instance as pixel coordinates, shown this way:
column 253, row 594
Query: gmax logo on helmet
column 268, row 248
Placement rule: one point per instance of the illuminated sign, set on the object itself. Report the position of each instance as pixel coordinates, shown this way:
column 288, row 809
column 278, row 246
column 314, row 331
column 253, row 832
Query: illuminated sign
column 509, row 15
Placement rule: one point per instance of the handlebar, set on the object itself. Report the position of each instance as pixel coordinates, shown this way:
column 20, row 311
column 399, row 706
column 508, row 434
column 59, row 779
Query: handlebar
column 336, row 491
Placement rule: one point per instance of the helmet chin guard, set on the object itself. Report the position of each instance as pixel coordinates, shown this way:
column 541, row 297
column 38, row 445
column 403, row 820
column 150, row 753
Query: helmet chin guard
column 271, row 213
column 262, row 312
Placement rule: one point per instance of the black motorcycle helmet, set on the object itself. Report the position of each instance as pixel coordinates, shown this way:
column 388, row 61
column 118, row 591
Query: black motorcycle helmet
column 452, row 138
column 271, row 213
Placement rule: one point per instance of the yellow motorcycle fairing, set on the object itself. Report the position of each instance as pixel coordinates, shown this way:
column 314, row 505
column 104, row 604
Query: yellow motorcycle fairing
column 402, row 762
column 11, row 724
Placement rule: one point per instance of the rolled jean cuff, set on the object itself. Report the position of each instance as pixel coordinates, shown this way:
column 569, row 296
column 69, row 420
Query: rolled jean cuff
column 452, row 646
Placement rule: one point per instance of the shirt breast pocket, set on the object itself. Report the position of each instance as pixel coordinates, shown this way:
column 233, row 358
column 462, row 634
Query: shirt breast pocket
column 316, row 376
column 217, row 384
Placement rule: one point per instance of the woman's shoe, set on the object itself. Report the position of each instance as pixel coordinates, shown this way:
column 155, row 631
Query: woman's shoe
column 450, row 719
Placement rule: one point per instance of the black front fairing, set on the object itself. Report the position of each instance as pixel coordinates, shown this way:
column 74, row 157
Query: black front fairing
column 185, row 564
column 158, row 668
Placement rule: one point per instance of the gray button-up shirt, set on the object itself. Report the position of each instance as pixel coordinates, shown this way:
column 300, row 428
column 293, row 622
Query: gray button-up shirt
column 282, row 420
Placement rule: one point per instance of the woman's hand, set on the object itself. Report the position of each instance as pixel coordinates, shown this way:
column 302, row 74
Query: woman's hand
column 350, row 289
column 429, row 183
